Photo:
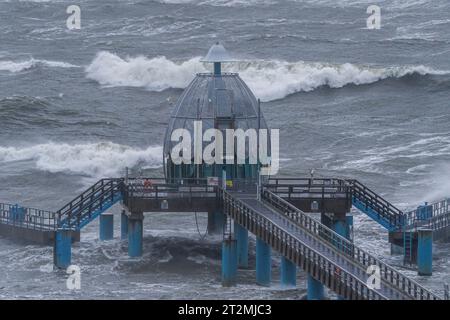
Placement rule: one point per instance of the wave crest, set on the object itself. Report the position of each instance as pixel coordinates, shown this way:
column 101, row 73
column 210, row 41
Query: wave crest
column 19, row 66
column 97, row 160
column 269, row 80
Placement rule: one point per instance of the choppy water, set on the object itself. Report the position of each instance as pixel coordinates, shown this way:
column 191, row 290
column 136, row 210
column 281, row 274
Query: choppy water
column 79, row 105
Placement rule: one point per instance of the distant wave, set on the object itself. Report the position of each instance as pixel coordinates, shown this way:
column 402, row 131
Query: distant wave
column 97, row 160
column 269, row 80
column 220, row 3
column 19, row 66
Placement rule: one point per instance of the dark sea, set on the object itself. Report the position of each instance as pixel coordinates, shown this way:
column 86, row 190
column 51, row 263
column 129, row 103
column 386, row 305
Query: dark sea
column 80, row 105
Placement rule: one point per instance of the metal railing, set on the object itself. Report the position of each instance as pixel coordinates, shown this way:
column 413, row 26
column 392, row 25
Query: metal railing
column 439, row 219
column 308, row 187
column 151, row 188
column 29, row 218
column 322, row 188
column 391, row 276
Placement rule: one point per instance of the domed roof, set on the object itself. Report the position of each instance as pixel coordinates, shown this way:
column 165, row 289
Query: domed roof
column 215, row 99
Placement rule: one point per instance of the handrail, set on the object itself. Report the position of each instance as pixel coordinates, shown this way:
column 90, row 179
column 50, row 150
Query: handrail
column 390, row 213
column 384, row 208
column 392, row 276
column 31, row 218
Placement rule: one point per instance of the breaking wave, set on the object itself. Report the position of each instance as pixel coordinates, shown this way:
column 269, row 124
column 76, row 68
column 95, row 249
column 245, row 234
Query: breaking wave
column 269, row 80
column 97, row 160
column 19, row 66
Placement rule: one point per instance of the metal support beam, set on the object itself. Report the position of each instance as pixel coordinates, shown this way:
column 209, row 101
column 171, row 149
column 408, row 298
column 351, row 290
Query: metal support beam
column 62, row 249
column 242, row 245
column 135, row 235
column 263, row 263
column 123, row 225
column 315, row 289
column 106, row 226
column 425, row 252
column 229, row 262
column 288, row 273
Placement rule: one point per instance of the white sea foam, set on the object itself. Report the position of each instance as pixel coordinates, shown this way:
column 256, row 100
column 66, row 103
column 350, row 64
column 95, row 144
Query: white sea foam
column 269, row 80
column 97, row 160
column 18, row 66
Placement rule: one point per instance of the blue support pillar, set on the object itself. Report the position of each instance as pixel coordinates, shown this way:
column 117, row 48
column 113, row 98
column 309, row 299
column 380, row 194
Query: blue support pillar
column 106, row 226
column 349, row 227
column 288, row 273
column 216, row 222
column 229, row 262
column 62, row 249
column 343, row 229
column 340, row 228
column 242, row 245
column 425, row 252
column 263, row 263
column 135, row 234
column 315, row 289
column 123, row 225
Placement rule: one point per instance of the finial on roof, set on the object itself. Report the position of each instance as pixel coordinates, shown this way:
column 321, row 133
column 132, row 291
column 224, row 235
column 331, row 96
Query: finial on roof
column 217, row 54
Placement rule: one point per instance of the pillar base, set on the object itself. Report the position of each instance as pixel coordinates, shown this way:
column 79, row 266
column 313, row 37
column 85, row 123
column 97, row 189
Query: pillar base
column 229, row 262
column 106, row 226
column 62, row 249
column 288, row 273
column 263, row 263
column 242, row 245
column 135, row 235
column 315, row 289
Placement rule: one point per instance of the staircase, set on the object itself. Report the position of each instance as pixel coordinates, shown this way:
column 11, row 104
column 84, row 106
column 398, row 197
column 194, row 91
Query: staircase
column 375, row 206
column 325, row 255
column 90, row 204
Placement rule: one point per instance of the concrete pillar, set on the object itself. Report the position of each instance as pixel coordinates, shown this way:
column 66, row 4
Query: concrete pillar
column 106, row 226
column 288, row 273
column 242, row 245
column 263, row 263
column 315, row 289
column 216, row 222
column 229, row 262
column 425, row 252
column 123, row 225
column 62, row 249
column 135, row 235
